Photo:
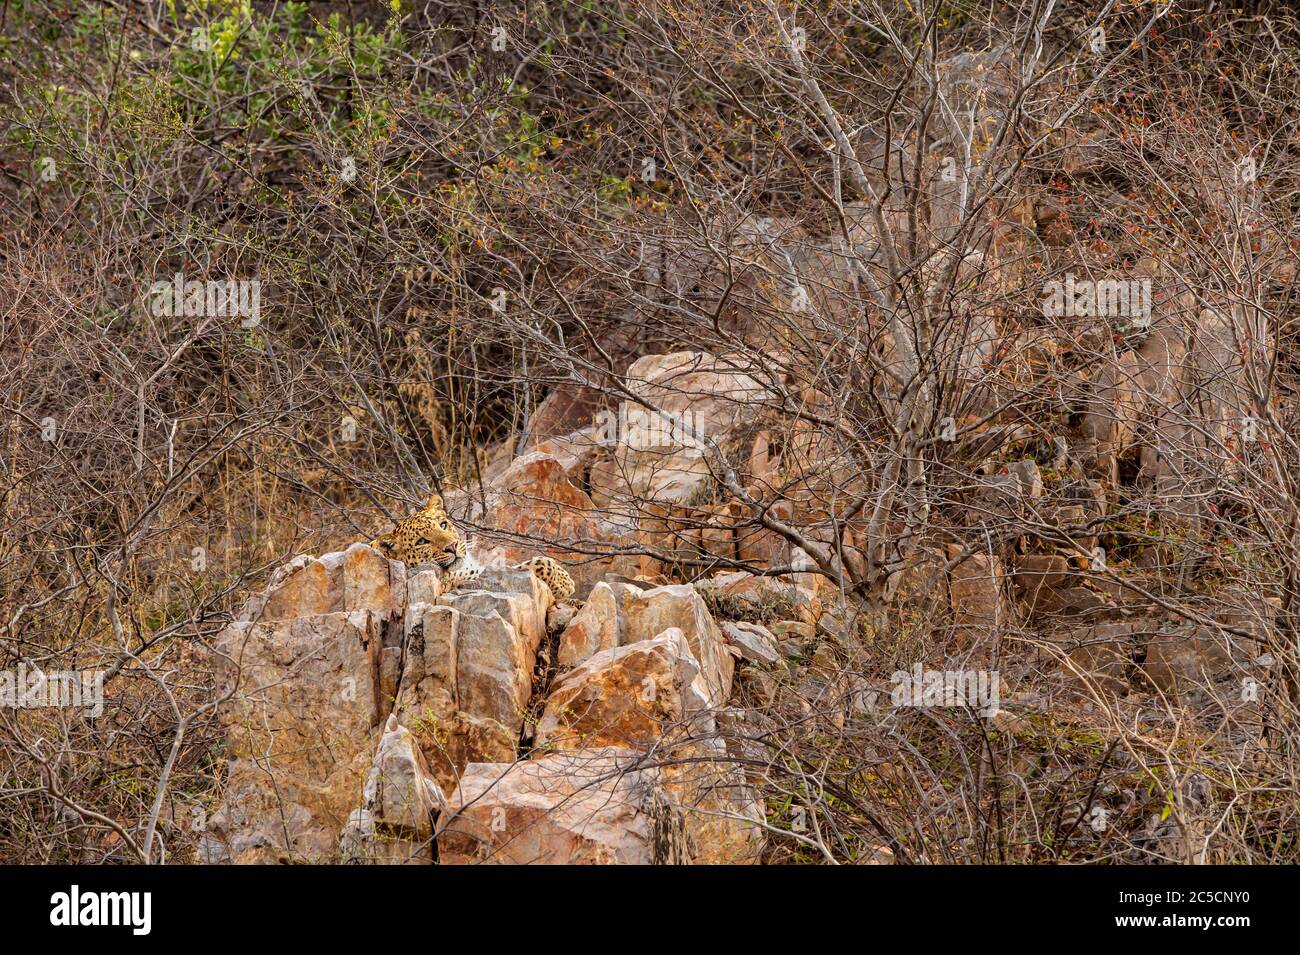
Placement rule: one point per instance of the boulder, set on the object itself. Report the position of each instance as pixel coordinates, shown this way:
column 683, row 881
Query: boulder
column 723, row 816
column 449, row 677
column 400, row 803
column 754, row 643
column 399, row 789
column 650, row 696
column 451, row 742
column 308, row 671
column 635, row 695
column 1039, row 581
column 359, row 578
column 468, row 668
column 619, row 613
column 304, row 701
column 1102, row 657
column 496, row 636
column 1190, row 659
column 690, row 398
column 647, row 613
column 429, row 673
column 743, row 595
column 975, row 588
column 584, row 807
column 594, row 628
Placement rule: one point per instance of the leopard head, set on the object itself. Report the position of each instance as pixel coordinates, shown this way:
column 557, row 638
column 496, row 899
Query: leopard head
column 426, row 536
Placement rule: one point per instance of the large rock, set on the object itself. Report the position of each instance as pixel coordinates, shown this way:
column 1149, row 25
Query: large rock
column 753, row 642
column 467, row 674
column 634, row 695
column 594, row 628
column 304, row 702
column 315, row 664
column 586, row 807
column 650, row 696
column 647, row 613
column 496, row 636
column 690, row 399
column 314, row 779
column 975, row 588
column 1040, row 581
column 750, row 596
column 400, row 803
column 400, row 790
column 627, row 613
column 1189, row 660
column 723, row 814
column 359, row 578
column 1101, row 658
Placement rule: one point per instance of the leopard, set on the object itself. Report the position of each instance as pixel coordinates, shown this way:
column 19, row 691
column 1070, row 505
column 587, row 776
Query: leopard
column 428, row 536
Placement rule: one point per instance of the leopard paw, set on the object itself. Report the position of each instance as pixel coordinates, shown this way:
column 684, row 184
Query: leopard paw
column 463, row 570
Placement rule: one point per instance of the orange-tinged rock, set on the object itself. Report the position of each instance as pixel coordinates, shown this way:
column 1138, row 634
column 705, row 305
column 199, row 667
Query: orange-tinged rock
column 586, row 807
column 631, row 696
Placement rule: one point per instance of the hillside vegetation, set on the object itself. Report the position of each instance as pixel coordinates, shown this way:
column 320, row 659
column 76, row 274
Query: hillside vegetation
column 833, row 348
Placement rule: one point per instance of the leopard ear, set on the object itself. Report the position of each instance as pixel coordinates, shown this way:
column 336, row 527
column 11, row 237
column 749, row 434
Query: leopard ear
column 435, row 505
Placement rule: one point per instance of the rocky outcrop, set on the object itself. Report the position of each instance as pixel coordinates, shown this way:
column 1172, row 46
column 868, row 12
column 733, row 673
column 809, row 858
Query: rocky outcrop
column 976, row 590
column 750, row 596
column 305, row 672
column 589, row 807
column 690, row 399
column 623, row 613
column 1175, row 659
column 650, row 696
column 637, row 695
column 374, row 718
column 751, row 642
column 466, row 677
column 594, row 628
column 399, row 805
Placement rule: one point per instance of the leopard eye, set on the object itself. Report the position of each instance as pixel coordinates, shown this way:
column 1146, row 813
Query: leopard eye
column 444, row 525
column 422, row 541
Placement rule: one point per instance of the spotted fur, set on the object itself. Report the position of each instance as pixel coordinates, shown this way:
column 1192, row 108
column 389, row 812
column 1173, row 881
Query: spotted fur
column 427, row 536
column 552, row 573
